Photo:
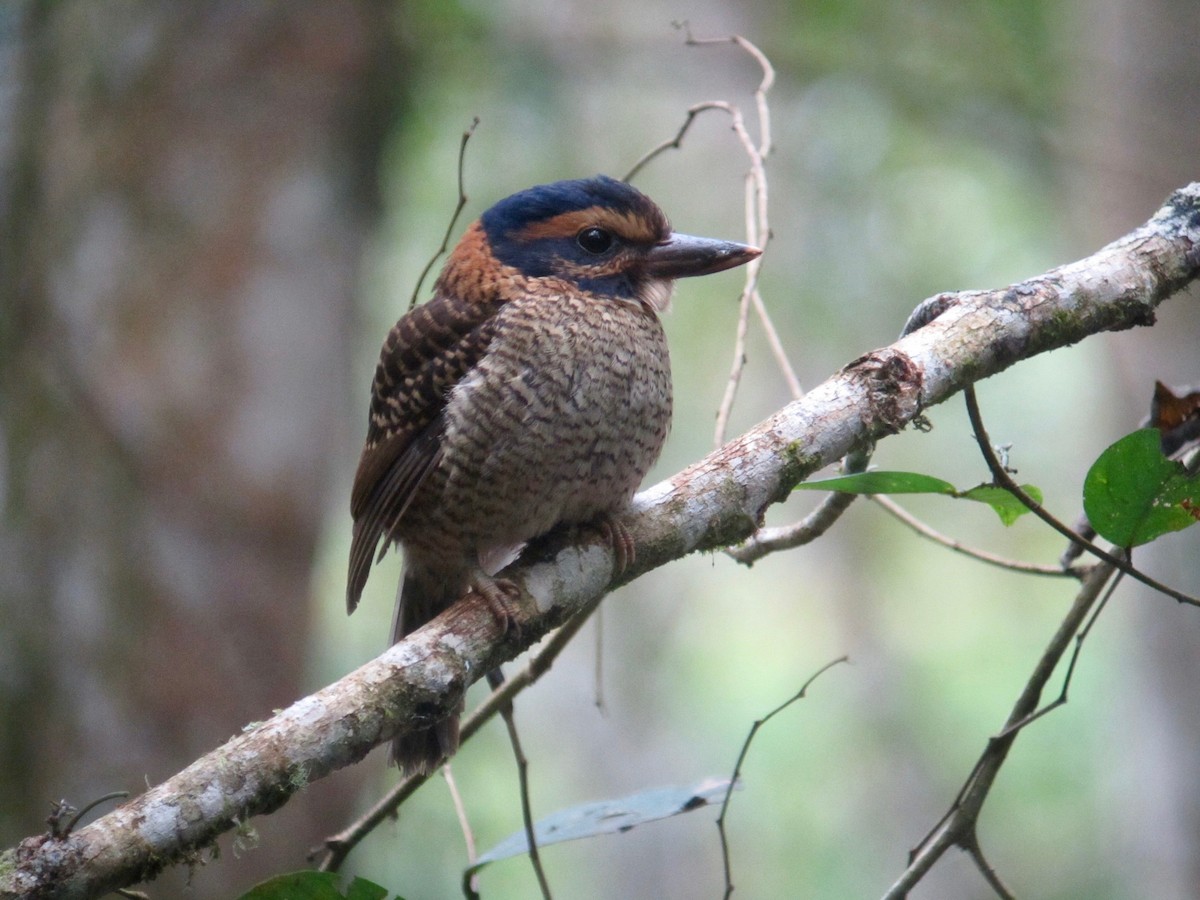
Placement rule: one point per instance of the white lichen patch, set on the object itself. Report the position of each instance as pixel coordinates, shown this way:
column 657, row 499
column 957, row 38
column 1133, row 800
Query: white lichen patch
column 307, row 711
column 573, row 573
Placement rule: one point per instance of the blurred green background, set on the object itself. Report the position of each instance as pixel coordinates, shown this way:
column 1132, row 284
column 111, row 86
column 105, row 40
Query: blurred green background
column 213, row 216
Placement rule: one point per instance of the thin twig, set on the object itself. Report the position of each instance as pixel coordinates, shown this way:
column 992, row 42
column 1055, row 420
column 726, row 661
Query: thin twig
column 764, row 85
column 70, row 826
column 957, row 546
column 674, row 143
column 462, row 202
column 735, row 372
column 758, row 219
column 808, row 529
column 1069, row 675
column 755, row 203
column 737, row 768
column 776, row 344
column 766, row 541
column 758, row 230
column 464, row 823
column 958, row 824
column 986, row 869
column 496, row 680
column 757, row 233
column 339, row 846
column 1003, row 479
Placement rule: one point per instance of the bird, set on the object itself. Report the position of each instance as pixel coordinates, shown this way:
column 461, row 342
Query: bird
column 532, row 391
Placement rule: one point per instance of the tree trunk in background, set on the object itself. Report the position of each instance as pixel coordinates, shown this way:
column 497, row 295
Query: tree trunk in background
column 1137, row 137
column 185, row 190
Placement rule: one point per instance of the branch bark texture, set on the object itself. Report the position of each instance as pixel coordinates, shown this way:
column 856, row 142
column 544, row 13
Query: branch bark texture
column 716, row 502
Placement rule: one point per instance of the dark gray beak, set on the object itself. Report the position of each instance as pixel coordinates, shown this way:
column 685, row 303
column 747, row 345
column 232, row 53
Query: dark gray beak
column 682, row 255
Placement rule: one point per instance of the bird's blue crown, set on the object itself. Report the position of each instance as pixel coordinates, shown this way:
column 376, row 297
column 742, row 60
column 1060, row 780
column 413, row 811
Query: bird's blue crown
column 540, row 231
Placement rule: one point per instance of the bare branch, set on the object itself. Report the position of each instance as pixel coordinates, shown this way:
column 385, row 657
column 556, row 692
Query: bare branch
column 766, row 541
column 770, row 540
column 458, row 208
column 464, row 823
column 1014, row 565
column 758, row 227
column 989, row 873
column 496, row 680
column 957, row 827
column 737, row 766
column 674, row 143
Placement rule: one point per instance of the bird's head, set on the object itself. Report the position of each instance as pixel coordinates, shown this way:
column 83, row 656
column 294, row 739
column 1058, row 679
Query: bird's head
column 601, row 235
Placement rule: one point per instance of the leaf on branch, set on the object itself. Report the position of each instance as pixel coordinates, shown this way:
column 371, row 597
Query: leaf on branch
column 1007, row 507
column 309, row 885
column 609, row 817
column 882, row 483
column 1133, row 494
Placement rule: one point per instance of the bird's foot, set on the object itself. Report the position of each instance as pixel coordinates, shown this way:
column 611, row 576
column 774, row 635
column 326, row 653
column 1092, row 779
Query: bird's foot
column 617, row 534
column 501, row 596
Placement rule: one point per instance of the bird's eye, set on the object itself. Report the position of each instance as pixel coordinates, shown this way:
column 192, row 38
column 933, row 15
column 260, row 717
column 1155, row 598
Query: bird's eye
column 594, row 240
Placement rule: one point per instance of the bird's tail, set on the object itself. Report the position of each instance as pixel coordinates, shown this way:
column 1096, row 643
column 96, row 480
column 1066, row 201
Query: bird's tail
column 421, row 752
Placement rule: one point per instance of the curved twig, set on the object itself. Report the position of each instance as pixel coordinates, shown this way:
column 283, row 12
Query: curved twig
column 458, row 208
column 765, row 541
column 496, row 680
column 737, row 766
column 1003, row 479
column 992, row 559
column 956, row 827
column 337, row 847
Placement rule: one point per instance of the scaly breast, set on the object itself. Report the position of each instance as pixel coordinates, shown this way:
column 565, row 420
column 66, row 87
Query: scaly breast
column 558, row 423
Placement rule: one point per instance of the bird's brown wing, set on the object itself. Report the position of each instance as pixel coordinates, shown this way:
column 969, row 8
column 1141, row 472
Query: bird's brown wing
column 425, row 355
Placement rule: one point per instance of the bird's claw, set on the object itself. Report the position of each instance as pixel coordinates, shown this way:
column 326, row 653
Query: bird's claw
column 501, row 596
column 618, row 536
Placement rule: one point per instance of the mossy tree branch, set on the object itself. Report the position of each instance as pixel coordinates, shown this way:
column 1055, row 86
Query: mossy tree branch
column 716, row 502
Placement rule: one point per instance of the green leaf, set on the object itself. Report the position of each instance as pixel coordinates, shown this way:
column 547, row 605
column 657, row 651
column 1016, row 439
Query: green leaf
column 609, row 816
column 1007, row 507
column 309, row 885
column 1133, row 494
column 361, row 889
column 882, row 483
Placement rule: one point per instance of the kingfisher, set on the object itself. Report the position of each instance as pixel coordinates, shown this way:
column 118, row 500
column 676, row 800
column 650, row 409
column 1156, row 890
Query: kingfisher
column 532, row 391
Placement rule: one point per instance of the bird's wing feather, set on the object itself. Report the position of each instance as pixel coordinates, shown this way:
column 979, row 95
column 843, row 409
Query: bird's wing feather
column 425, row 355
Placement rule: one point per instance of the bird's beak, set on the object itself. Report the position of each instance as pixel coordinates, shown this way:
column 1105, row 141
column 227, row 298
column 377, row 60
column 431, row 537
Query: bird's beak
column 682, row 255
